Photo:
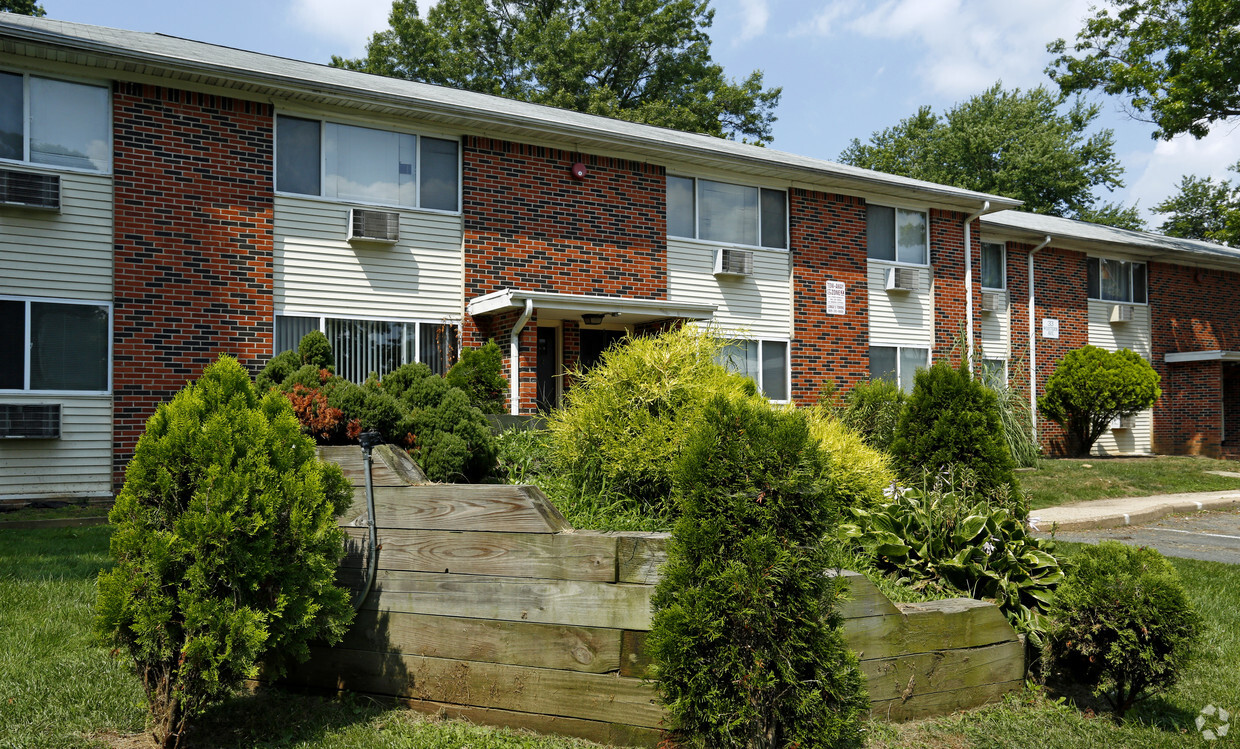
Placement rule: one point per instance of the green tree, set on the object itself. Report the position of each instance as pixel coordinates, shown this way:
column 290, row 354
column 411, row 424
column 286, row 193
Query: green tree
column 1111, row 214
column 226, row 547
column 639, row 60
column 1203, row 209
column 1177, row 62
column 1022, row 144
column 23, row 7
column 1091, row 387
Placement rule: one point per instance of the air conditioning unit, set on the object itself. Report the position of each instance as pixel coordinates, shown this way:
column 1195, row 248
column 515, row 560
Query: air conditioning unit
column 1121, row 313
column 731, row 263
column 1124, row 422
column 374, row 226
column 994, row 301
column 903, row 279
column 30, row 189
column 30, row 421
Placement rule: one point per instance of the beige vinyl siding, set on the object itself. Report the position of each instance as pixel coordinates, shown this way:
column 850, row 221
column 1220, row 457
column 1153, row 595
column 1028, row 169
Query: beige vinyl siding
column 900, row 318
column 318, row 270
column 79, row 463
column 1134, row 335
column 60, row 254
column 760, row 305
column 994, row 329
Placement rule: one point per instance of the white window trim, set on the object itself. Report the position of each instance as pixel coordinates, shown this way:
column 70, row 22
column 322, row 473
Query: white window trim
column 25, row 159
column 1130, row 263
column 896, row 236
column 1002, row 266
column 417, row 167
column 26, row 373
column 719, row 243
column 899, row 347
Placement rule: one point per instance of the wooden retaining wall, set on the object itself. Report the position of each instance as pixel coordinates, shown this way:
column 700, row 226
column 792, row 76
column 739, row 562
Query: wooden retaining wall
column 490, row 607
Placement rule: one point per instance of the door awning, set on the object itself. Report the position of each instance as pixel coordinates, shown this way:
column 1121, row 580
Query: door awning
column 1192, row 356
column 554, row 306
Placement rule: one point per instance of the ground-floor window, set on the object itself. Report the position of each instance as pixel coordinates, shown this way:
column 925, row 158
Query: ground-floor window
column 763, row 361
column 994, row 372
column 55, row 345
column 897, row 364
column 364, row 346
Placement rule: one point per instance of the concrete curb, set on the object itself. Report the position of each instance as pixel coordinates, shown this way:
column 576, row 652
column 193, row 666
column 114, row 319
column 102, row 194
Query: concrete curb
column 1115, row 513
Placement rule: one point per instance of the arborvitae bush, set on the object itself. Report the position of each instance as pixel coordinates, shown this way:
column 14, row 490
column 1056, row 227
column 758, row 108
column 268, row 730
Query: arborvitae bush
column 226, row 547
column 872, row 409
column 314, row 351
column 860, row 473
column 451, row 440
column 480, row 373
column 951, row 420
column 367, row 403
column 278, row 369
column 1122, row 624
column 746, row 637
column 1090, row 387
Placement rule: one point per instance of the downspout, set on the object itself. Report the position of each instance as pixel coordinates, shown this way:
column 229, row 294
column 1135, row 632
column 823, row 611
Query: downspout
column 514, row 355
column 968, row 283
column 1033, row 348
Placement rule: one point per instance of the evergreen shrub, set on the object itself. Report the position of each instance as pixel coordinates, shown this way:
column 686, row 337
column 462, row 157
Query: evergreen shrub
column 1091, row 387
column 872, row 409
column 951, row 421
column 226, row 547
column 860, row 473
column 745, row 635
column 1122, row 624
column 314, row 351
column 480, row 374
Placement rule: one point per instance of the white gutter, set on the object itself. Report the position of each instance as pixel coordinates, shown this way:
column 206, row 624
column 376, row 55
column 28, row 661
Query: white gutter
column 1033, row 348
column 968, row 283
column 514, row 355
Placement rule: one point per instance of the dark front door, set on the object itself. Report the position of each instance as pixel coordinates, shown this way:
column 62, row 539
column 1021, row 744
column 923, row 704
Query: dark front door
column 546, row 369
column 594, row 343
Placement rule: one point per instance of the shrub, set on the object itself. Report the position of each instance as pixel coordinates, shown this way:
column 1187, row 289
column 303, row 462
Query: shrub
column 627, row 419
column 452, row 440
column 952, row 420
column 872, row 409
column 1090, row 387
column 945, row 542
column 314, row 350
column 1121, row 624
column 367, row 404
column 745, row 635
column 480, row 373
column 859, row 472
column 226, row 547
column 278, row 369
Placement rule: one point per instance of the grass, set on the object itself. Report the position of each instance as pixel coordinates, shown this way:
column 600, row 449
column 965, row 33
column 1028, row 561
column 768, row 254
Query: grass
column 1037, row 720
column 60, row 690
column 54, row 511
column 1061, row 481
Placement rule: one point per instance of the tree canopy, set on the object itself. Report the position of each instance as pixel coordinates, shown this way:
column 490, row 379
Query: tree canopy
column 1176, row 61
column 1204, row 209
column 640, row 60
column 1022, row 144
column 22, row 7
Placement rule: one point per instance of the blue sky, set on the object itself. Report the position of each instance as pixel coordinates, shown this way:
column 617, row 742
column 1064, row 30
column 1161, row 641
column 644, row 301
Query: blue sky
column 847, row 67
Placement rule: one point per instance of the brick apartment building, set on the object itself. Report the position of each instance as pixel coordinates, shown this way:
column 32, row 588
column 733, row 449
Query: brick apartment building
column 163, row 201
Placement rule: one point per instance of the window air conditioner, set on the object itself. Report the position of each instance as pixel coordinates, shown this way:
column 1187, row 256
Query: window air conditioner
column 994, row 301
column 733, row 263
column 1124, row 422
column 29, row 421
column 1121, row 313
column 30, row 189
column 374, row 226
column 902, row 279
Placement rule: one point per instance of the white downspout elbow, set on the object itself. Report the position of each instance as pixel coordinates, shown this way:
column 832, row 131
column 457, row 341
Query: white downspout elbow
column 514, row 356
column 1033, row 347
column 968, row 283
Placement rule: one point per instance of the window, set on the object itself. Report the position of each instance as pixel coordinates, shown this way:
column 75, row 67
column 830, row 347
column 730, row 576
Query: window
column 994, row 373
column 897, row 364
column 723, row 212
column 55, row 123
column 362, row 164
column 54, row 346
column 1116, row 280
column 896, row 234
column 764, row 362
column 365, row 346
column 993, row 276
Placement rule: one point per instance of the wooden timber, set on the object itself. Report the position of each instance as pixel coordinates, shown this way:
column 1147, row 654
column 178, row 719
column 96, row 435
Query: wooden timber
column 459, row 507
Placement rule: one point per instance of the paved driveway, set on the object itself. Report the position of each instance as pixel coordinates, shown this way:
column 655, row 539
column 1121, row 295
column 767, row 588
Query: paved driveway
column 1213, row 536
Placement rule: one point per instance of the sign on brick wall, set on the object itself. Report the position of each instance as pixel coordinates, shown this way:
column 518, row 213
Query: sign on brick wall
column 835, row 298
column 1050, row 327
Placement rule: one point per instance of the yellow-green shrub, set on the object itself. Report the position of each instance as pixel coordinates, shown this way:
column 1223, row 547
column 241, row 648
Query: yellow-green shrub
column 858, row 472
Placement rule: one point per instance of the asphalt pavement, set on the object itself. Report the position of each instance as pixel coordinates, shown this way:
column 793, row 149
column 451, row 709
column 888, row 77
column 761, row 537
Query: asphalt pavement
column 1211, row 536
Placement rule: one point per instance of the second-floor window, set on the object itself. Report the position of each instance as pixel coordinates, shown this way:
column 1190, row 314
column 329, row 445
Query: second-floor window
column 896, row 234
column 55, row 123
column 723, row 212
column 363, row 164
column 1116, row 280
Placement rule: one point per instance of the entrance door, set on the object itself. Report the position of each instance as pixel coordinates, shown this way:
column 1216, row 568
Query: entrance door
column 594, row 343
column 548, row 392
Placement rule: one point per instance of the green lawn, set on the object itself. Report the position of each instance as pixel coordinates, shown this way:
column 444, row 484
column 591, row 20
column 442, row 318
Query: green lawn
column 65, row 510
column 1062, row 480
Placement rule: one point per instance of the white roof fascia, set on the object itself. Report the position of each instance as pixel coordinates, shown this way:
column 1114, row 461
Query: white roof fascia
column 513, row 299
column 208, row 64
column 1194, row 356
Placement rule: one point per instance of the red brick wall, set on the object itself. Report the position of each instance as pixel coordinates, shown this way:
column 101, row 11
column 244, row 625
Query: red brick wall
column 947, row 258
column 828, row 244
column 1060, row 292
column 1187, row 418
column 1016, row 256
column 193, row 244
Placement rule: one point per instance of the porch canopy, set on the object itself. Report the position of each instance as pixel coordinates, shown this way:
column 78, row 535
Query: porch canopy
column 1212, row 355
column 585, row 309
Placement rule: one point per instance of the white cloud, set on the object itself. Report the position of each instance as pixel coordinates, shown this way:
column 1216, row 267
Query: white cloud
column 349, row 24
column 1154, row 175
column 754, row 16
column 823, row 22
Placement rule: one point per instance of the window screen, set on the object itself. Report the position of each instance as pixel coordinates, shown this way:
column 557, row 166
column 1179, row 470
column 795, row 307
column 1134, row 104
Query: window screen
column 68, row 346
column 883, row 363
column 12, row 133
column 775, row 370
column 375, row 166
column 880, row 233
column 774, row 220
column 727, row 213
column 297, row 155
column 12, row 345
column 680, row 207
column 992, row 266
column 440, row 181
column 911, row 360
